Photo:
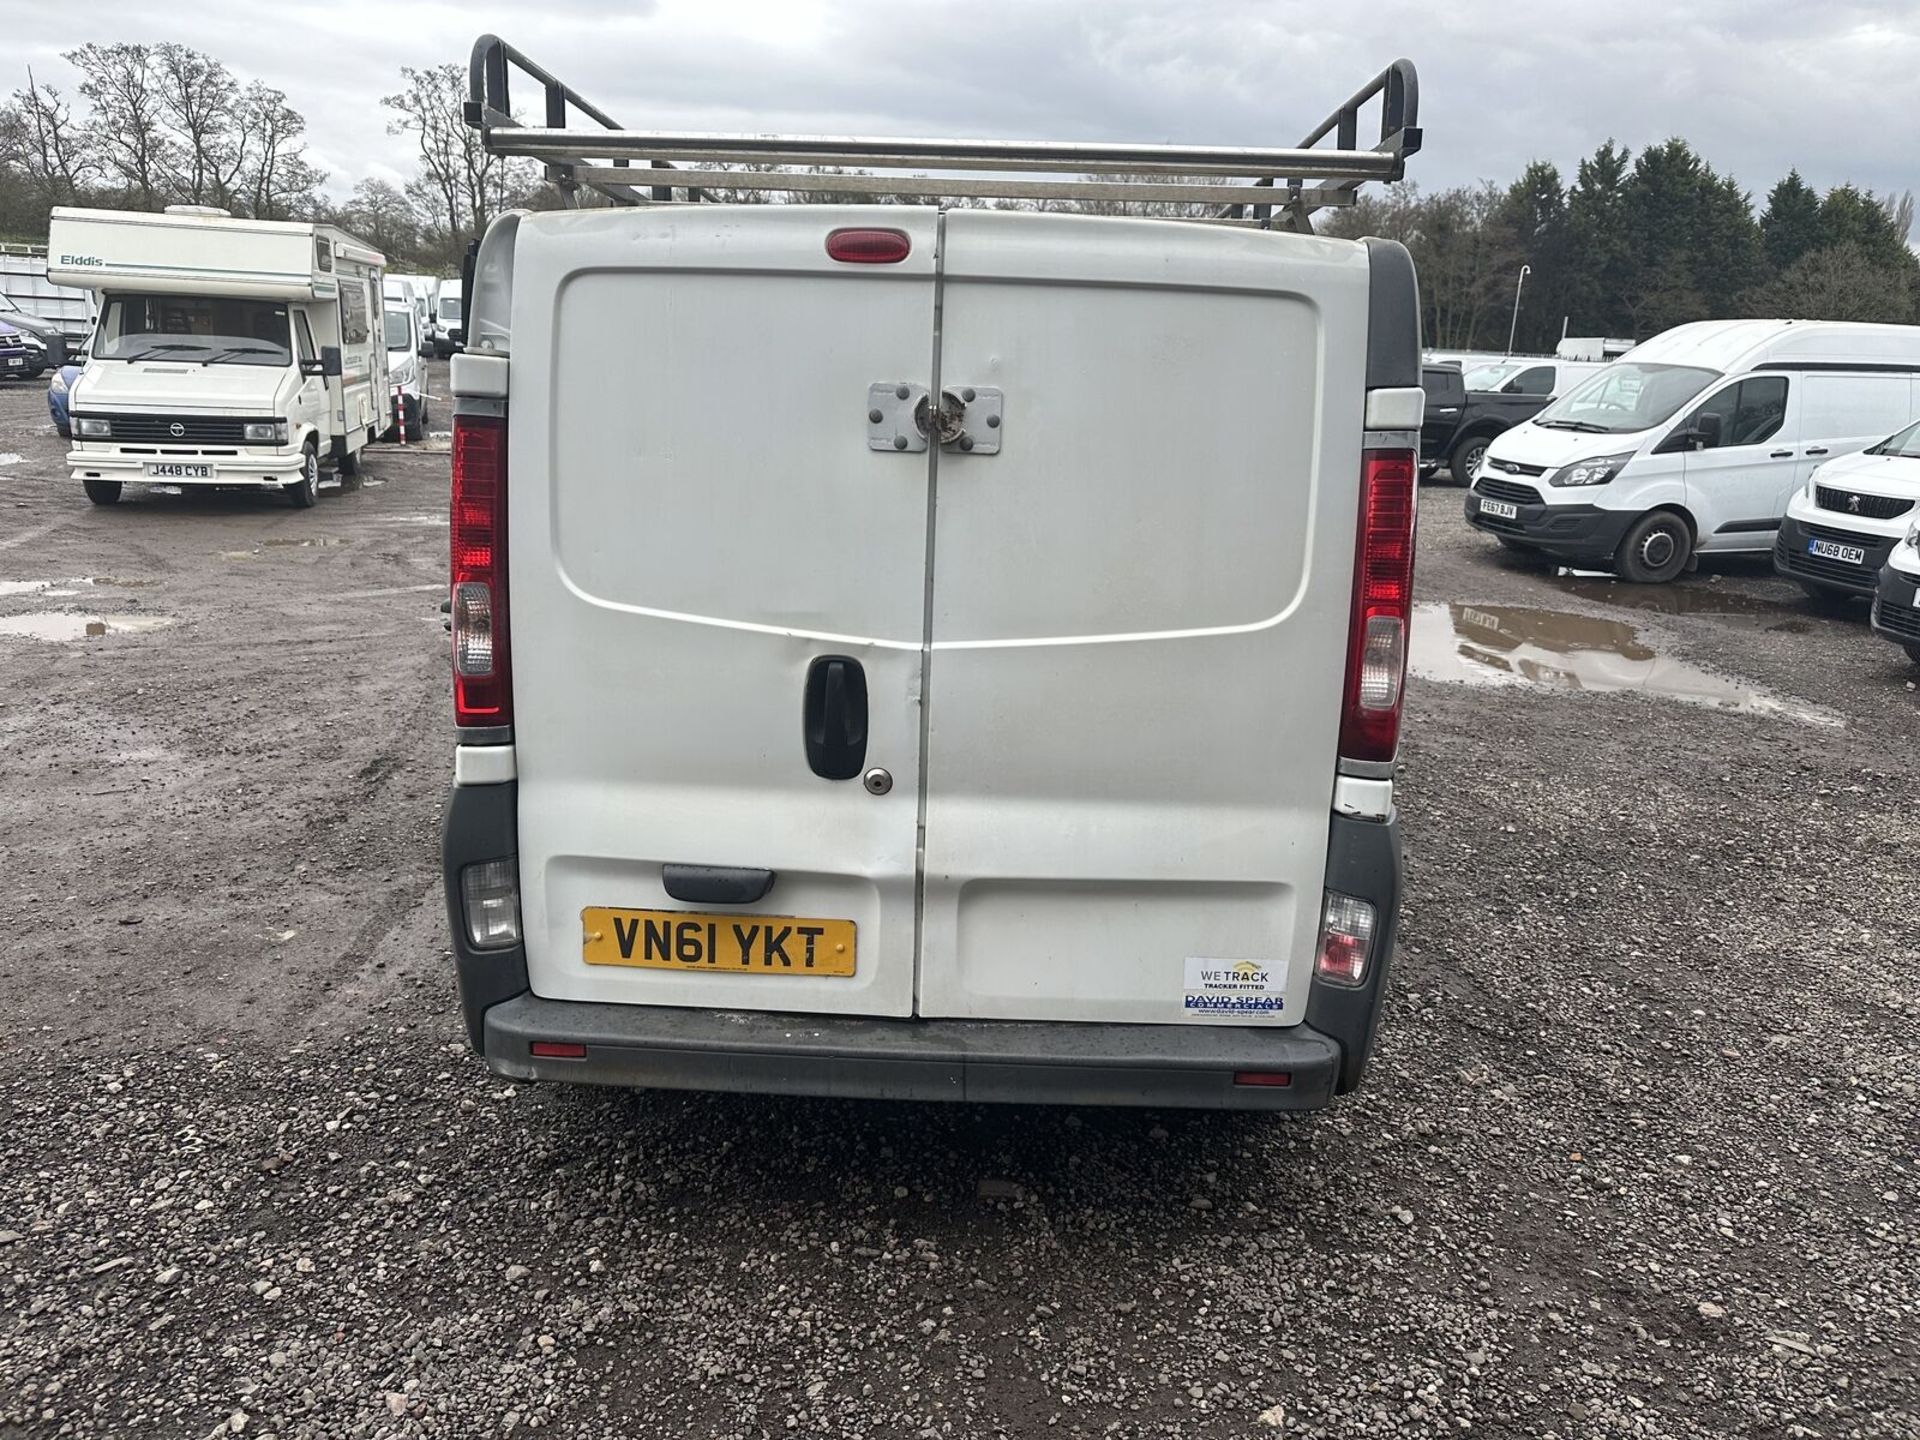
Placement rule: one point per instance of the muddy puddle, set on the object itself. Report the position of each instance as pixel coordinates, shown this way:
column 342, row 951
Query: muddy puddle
column 310, row 542
column 74, row 585
column 1677, row 599
column 1519, row 645
column 64, row 628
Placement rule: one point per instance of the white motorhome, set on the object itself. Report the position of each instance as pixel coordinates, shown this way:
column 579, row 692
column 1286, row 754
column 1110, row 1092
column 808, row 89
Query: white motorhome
column 228, row 352
column 776, row 773
column 1692, row 442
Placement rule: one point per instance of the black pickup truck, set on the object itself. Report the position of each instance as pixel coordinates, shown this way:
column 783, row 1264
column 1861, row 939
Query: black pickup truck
column 1461, row 420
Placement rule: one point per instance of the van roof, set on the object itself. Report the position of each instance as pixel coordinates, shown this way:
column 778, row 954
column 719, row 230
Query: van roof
column 1730, row 346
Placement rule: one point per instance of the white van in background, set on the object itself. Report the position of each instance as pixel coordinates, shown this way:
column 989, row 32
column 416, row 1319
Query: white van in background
column 449, row 322
column 1896, row 602
column 1839, row 529
column 1694, row 441
column 228, row 352
column 418, row 292
column 406, row 372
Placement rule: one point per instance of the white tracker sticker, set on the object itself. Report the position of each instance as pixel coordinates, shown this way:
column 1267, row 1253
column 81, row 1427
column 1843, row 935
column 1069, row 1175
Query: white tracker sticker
column 1235, row 987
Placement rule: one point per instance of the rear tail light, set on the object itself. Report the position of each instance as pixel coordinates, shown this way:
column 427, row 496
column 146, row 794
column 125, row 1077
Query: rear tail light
column 490, row 895
column 1346, row 939
column 482, row 682
column 1382, row 606
column 862, row 246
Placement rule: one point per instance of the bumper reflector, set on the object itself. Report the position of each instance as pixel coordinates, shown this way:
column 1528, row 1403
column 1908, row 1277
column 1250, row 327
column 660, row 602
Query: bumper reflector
column 1346, row 939
column 490, row 894
column 1273, row 1078
column 558, row 1050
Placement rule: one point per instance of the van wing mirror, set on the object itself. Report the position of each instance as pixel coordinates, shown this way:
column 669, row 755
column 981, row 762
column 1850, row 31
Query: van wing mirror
column 330, row 361
column 1708, row 428
column 1703, row 434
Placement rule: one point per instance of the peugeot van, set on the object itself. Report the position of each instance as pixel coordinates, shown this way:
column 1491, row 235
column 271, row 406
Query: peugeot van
column 1693, row 442
column 1840, row 528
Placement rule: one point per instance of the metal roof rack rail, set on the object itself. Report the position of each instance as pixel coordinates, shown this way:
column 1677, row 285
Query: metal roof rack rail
column 1267, row 187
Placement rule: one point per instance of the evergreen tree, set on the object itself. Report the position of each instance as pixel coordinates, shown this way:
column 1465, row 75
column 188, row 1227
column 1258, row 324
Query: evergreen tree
column 1790, row 227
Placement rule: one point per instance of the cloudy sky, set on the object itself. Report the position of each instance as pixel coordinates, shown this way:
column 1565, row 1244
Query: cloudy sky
column 1757, row 86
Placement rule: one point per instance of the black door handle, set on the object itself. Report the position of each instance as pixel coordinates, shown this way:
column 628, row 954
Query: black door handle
column 1816, row 450
column 833, row 717
column 1781, row 454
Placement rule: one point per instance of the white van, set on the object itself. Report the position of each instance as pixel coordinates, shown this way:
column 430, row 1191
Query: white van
column 1896, row 602
column 418, row 292
column 1839, row 529
column 449, row 323
column 228, row 352
column 1694, row 441
column 406, row 377
column 1077, row 785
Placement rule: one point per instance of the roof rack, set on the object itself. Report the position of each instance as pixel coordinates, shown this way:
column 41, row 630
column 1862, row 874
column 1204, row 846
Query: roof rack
column 1271, row 188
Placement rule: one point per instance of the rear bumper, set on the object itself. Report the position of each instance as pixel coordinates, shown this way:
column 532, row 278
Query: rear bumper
column 1056, row 1062
column 1568, row 532
column 1790, row 556
column 1020, row 1061
column 1895, row 614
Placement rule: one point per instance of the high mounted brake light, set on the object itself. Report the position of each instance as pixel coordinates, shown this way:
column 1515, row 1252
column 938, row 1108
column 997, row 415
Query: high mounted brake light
column 1382, row 607
column 482, row 680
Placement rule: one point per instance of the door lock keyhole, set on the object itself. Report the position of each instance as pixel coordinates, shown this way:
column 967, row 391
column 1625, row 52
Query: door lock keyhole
column 952, row 418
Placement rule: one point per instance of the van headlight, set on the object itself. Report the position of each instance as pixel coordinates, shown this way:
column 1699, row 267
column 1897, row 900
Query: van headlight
column 92, row 427
column 1913, row 535
column 265, row 432
column 1597, row 471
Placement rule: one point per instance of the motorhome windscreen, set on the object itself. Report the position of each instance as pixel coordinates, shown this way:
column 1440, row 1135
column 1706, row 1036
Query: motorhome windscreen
column 195, row 329
column 399, row 330
column 1625, row 396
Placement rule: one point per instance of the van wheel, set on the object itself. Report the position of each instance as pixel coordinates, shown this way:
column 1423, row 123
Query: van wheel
column 1466, row 459
column 103, row 492
column 1912, row 647
column 1655, row 549
column 305, row 494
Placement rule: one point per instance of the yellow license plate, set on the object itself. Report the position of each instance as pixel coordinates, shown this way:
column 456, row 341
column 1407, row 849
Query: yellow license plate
column 713, row 944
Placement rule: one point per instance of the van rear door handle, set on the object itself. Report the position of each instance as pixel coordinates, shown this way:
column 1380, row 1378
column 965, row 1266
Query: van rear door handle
column 833, row 717
column 1816, row 449
column 1781, row 454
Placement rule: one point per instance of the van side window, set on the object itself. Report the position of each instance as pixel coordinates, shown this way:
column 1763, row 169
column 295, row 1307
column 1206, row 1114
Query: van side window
column 1750, row 412
column 1534, row 380
column 353, row 314
column 302, row 337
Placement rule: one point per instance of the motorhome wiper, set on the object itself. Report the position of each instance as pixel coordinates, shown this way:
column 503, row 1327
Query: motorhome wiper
column 243, row 350
column 157, row 349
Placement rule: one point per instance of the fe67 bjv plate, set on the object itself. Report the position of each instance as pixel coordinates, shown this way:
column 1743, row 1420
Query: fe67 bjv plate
column 717, row 944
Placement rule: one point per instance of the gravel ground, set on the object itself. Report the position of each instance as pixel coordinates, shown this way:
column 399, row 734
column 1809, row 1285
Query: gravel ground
column 1637, row 1156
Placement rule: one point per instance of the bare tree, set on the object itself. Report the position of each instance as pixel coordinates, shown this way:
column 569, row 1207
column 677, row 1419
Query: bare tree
column 461, row 185
column 39, row 134
column 200, row 102
column 276, row 179
column 123, row 85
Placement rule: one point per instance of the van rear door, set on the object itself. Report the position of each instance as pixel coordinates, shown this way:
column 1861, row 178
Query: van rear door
column 696, row 517
column 1139, row 614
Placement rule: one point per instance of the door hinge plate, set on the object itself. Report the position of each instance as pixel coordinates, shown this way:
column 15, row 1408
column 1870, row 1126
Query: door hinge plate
column 890, row 408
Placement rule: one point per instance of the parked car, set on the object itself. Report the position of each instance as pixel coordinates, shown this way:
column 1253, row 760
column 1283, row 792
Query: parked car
column 1499, row 394
column 60, row 397
column 22, row 356
column 51, row 339
column 1896, row 601
column 772, row 774
column 1446, row 396
column 1694, row 442
column 1839, row 530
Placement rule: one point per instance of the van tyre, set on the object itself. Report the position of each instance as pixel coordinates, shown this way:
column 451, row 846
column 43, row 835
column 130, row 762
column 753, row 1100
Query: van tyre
column 305, row 493
column 1655, row 549
column 1912, row 647
column 1466, row 458
column 103, row 492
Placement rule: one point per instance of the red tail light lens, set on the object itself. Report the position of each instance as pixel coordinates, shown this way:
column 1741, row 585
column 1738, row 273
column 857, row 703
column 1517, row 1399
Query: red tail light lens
column 1382, row 608
column 482, row 684
column 869, row 247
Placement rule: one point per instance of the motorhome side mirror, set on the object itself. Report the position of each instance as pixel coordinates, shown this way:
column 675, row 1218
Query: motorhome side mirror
column 312, row 368
column 330, row 361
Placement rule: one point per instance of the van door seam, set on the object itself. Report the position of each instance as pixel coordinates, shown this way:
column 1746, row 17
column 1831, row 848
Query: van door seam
column 926, row 611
